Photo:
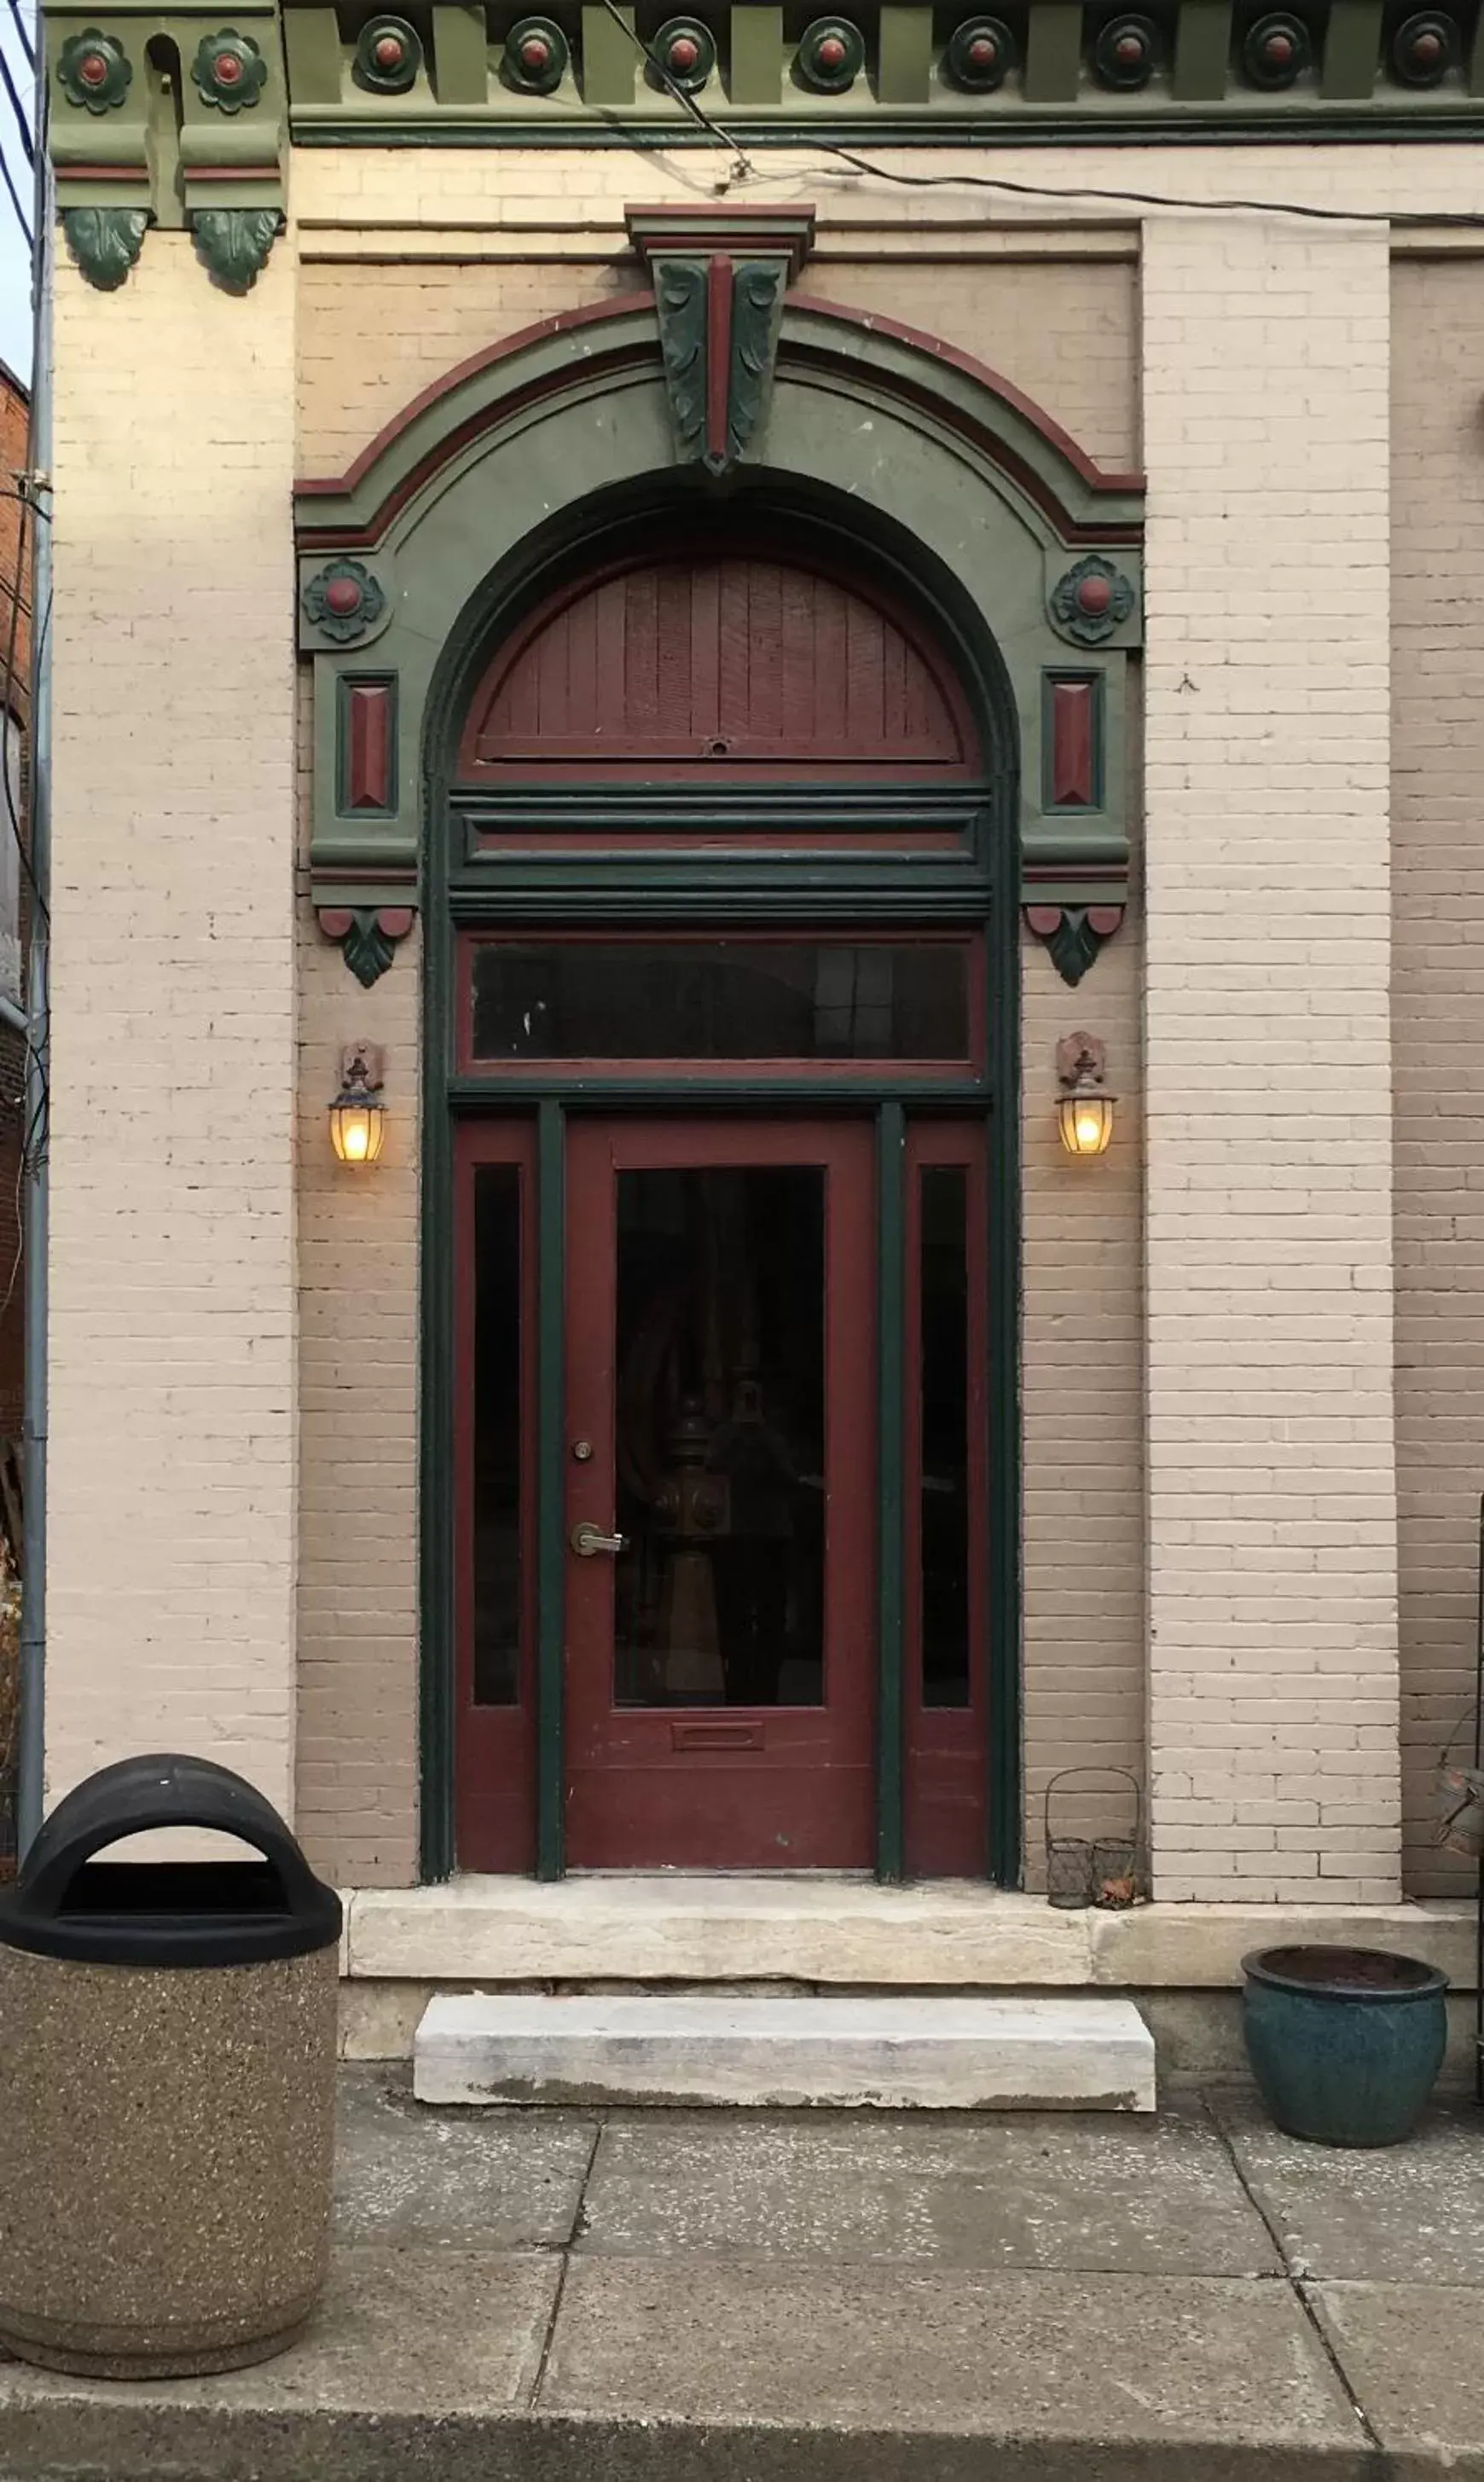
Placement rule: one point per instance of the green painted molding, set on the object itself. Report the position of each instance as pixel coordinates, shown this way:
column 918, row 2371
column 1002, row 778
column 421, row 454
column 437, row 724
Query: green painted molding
column 182, row 117
column 868, row 425
column 889, row 70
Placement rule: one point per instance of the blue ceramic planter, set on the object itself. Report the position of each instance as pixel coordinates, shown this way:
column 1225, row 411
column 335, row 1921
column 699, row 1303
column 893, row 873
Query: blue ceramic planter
column 1345, row 2043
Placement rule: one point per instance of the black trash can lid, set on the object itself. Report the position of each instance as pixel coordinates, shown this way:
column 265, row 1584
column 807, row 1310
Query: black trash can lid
column 65, row 1904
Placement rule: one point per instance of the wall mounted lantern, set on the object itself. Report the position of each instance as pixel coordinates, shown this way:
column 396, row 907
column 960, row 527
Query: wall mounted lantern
column 358, row 1116
column 1084, row 1112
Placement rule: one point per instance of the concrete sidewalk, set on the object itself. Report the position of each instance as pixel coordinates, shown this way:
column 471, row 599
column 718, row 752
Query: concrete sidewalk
column 683, row 2297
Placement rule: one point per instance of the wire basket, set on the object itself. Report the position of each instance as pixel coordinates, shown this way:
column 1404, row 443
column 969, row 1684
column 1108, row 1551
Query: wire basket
column 1103, row 1870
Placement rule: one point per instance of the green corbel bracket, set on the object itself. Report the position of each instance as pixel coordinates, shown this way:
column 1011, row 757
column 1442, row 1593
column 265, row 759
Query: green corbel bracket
column 1352, row 51
column 1053, row 60
column 609, row 55
column 105, row 241
column 1202, row 51
column 904, row 61
column 315, row 54
column 233, row 242
column 461, row 56
column 756, row 64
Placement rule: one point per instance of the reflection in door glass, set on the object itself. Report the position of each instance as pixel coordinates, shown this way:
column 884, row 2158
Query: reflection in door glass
column 721, row 1438
column 496, row 1435
column 944, row 1342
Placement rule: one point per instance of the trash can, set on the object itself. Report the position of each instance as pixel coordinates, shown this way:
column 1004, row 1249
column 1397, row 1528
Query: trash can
column 167, row 2083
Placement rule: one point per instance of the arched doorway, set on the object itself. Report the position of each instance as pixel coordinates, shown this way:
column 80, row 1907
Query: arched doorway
column 723, row 829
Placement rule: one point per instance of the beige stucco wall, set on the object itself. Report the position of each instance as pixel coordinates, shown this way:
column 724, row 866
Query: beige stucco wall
column 172, row 1517
column 1437, row 1014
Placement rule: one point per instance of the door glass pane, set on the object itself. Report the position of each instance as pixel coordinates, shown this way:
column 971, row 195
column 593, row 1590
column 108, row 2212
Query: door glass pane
column 944, row 1346
column 719, row 999
column 497, row 1459
column 720, row 1416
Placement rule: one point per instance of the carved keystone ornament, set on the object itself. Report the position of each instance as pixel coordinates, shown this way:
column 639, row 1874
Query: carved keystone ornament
column 720, row 276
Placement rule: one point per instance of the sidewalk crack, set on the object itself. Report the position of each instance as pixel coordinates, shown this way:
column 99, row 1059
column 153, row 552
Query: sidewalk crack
column 1296, row 2284
column 565, row 2253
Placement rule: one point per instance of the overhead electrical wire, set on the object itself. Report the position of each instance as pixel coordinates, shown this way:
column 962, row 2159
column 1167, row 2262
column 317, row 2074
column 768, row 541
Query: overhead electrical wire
column 22, row 122
column 1059, row 193
column 746, row 169
column 26, row 44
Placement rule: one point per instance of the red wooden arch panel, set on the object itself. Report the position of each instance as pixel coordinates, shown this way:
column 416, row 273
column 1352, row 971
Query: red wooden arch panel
column 729, row 662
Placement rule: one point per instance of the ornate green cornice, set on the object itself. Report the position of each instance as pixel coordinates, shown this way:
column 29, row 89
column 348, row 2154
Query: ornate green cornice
column 1189, row 70
column 176, row 119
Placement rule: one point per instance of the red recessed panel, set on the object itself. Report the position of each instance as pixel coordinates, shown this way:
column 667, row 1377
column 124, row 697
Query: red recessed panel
column 732, row 662
column 368, row 746
column 1074, row 744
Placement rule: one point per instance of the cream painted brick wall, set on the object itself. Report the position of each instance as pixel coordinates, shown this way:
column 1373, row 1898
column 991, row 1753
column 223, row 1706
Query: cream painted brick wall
column 1438, row 1010
column 172, row 1511
column 357, row 1385
column 551, row 188
column 1272, row 1542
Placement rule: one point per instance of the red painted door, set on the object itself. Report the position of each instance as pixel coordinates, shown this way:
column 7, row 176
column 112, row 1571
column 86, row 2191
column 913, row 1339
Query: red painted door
column 721, row 1608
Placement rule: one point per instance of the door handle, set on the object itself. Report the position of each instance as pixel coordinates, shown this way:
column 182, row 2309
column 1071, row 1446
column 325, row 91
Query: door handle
column 588, row 1540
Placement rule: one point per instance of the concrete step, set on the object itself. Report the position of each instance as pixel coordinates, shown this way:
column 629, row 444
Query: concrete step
column 1085, row 2054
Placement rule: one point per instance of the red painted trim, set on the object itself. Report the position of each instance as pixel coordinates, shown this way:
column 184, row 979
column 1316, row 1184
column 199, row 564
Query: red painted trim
column 368, row 746
column 1074, row 759
column 720, row 288
column 799, row 1793
column 635, row 352
column 494, row 1747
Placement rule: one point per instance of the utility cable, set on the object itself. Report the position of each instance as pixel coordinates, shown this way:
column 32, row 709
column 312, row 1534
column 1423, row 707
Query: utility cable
column 14, row 198
column 26, row 44
column 22, row 122
column 1136, row 198
column 746, row 170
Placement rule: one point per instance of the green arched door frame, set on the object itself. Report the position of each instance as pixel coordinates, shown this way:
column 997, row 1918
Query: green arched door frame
column 414, row 563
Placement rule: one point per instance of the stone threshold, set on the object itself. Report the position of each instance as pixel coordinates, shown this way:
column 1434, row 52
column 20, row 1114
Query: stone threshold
column 846, row 1934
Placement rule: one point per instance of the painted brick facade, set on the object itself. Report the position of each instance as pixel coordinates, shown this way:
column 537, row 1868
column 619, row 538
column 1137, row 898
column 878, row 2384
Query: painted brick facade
column 234, row 1340
column 1438, row 999
column 172, row 1518
column 1272, row 1559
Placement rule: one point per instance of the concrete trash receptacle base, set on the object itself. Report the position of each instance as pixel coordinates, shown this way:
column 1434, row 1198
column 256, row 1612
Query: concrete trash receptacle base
column 167, row 2138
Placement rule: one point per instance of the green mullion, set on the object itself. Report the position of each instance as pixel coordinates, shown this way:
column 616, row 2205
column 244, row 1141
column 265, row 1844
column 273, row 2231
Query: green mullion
column 551, row 1541
column 1003, row 1753
column 436, row 1668
column 502, row 1093
column 891, row 1366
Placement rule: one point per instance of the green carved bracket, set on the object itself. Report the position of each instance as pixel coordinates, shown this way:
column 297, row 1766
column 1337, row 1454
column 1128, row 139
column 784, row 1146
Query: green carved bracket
column 988, row 503
column 178, row 116
column 233, row 242
column 105, row 241
column 718, row 277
